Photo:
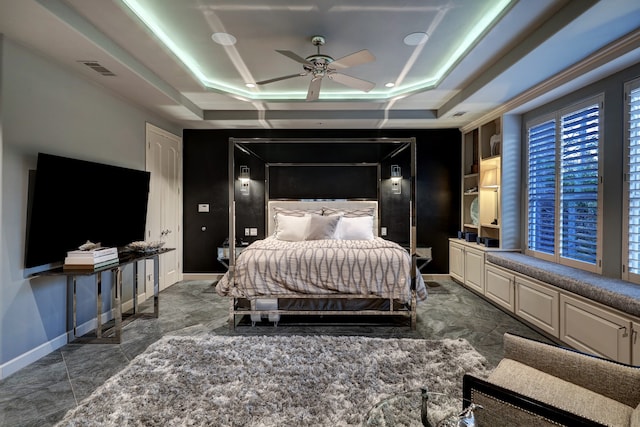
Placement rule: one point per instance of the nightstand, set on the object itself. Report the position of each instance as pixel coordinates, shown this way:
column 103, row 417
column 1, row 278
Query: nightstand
column 423, row 257
column 223, row 254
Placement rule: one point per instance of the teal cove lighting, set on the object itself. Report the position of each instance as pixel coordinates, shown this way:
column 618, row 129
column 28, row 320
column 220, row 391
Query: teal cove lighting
column 184, row 27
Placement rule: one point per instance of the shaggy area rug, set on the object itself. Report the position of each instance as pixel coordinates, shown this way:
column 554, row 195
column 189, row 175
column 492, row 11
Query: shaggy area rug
column 277, row 381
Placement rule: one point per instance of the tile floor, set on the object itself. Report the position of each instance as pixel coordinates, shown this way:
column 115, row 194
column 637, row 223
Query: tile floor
column 40, row 394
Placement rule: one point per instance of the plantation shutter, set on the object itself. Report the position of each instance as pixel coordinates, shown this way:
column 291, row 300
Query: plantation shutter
column 580, row 133
column 542, row 187
column 633, row 178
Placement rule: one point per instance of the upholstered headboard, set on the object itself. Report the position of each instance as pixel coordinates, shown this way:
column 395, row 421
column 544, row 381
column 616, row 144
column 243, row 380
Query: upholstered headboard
column 341, row 204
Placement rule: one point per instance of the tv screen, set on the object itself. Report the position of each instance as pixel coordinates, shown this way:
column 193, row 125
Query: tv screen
column 73, row 201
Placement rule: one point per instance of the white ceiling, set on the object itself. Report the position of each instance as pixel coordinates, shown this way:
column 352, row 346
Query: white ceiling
column 481, row 56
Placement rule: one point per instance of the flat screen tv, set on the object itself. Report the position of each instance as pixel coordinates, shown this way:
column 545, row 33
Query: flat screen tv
column 72, row 201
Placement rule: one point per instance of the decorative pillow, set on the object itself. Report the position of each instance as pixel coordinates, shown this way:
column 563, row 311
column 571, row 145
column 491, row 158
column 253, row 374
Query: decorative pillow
column 292, row 228
column 348, row 213
column 355, row 228
column 293, row 212
column 322, row 227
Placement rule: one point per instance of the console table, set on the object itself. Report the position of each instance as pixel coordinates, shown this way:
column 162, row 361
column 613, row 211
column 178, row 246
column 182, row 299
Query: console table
column 111, row 335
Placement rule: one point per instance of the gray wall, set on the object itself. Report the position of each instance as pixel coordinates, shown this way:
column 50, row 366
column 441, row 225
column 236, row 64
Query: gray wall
column 44, row 107
column 613, row 159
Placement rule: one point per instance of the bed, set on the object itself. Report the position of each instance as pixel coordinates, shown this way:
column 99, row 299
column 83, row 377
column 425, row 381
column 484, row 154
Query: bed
column 322, row 258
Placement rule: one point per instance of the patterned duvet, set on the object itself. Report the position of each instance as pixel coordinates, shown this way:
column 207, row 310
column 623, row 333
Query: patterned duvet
column 323, row 267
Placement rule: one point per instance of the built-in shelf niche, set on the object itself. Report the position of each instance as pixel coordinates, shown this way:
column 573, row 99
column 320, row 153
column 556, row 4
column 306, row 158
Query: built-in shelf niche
column 490, row 136
column 498, row 200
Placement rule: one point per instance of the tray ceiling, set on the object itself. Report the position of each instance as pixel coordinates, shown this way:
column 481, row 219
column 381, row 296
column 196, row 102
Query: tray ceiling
column 437, row 63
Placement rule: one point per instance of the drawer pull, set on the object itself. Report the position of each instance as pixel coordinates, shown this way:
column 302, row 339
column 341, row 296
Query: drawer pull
column 635, row 336
column 625, row 333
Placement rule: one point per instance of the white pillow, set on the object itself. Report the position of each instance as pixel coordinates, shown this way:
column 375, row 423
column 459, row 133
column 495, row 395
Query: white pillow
column 358, row 228
column 292, row 228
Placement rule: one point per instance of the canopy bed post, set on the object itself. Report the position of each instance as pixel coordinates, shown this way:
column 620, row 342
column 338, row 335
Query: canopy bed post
column 232, row 226
column 266, row 199
column 413, row 231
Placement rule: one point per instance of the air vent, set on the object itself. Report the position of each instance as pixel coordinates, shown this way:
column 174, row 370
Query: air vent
column 460, row 114
column 95, row 66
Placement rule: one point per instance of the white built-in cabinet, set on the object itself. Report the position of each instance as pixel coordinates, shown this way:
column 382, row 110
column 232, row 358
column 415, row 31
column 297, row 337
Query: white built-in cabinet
column 456, row 261
column 594, row 328
column 491, row 187
column 467, row 263
column 577, row 321
column 474, row 269
column 531, row 300
column 538, row 304
column 499, row 287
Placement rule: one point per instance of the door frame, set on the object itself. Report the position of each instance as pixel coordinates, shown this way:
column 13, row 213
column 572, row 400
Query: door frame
column 149, row 129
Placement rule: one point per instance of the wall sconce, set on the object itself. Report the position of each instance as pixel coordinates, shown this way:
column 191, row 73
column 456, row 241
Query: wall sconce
column 490, row 180
column 396, row 179
column 244, row 178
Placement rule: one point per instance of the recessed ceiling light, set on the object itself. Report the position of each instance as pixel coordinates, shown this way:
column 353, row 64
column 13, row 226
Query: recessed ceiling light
column 390, row 84
column 414, row 39
column 250, row 85
column 224, row 39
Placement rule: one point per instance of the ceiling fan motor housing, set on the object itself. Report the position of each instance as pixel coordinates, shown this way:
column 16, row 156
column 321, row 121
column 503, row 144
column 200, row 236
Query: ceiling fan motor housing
column 320, row 62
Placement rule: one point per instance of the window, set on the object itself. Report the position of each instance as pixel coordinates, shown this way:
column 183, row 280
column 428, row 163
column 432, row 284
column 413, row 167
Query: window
column 632, row 183
column 563, row 186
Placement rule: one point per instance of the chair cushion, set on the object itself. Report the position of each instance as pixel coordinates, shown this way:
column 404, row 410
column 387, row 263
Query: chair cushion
column 611, row 379
column 562, row 394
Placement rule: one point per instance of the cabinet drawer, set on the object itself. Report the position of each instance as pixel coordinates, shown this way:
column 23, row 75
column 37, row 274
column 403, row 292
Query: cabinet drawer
column 499, row 287
column 595, row 330
column 539, row 305
column 474, row 269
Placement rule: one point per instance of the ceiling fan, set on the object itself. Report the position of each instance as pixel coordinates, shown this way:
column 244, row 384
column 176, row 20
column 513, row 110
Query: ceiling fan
column 320, row 65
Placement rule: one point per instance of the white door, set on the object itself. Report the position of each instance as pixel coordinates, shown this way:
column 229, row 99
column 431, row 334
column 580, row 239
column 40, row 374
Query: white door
column 164, row 219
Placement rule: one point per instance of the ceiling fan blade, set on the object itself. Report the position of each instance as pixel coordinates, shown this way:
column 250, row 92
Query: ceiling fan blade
column 357, row 58
column 294, row 56
column 277, row 79
column 353, row 82
column 314, row 89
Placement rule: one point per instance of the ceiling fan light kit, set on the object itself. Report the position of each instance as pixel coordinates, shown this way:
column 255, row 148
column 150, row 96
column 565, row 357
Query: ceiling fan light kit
column 320, row 65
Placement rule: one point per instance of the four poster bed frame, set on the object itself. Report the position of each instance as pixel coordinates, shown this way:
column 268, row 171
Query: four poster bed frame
column 269, row 306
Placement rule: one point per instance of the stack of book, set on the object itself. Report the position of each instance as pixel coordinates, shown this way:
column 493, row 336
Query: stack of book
column 90, row 260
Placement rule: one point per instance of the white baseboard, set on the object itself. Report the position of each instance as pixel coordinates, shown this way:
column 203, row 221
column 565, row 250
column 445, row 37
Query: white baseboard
column 128, row 305
column 42, row 350
column 202, row 276
column 436, row 277
column 31, row 356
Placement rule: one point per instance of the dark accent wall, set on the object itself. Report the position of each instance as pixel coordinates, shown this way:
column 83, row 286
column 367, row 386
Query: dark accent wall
column 206, row 174
column 205, row 171
column 323, row 182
